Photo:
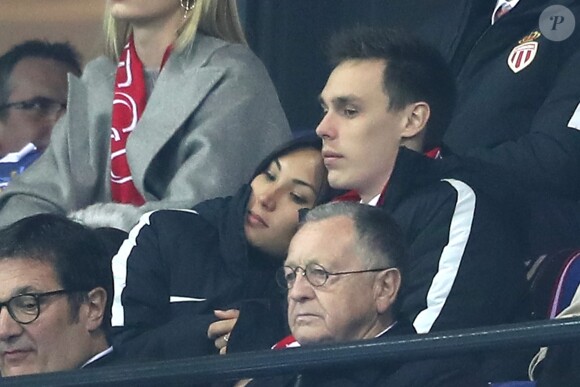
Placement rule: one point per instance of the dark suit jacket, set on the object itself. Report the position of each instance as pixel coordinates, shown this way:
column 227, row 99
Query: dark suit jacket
column 424, row 373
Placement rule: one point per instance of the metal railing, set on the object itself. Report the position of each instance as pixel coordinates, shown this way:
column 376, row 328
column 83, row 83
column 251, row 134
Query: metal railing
column 264, row 363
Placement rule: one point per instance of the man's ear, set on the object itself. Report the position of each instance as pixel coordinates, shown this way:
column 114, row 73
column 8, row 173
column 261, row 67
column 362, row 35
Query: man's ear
column 417, row 115
column 387, row 285
column 96, row 304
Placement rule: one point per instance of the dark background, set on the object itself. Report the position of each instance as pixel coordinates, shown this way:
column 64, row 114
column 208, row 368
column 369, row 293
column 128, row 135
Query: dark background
column 289, row 36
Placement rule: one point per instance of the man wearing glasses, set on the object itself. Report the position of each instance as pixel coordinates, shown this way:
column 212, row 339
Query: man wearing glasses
column 343, row 274
column 348, row 289
column 33, row 95
column 55, row 282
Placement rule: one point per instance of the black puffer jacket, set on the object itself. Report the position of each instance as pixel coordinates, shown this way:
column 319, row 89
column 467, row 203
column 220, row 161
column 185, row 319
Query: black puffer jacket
column 176, row 267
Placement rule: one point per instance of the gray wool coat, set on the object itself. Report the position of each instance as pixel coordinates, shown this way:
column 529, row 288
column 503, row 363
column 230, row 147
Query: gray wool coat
column 212, row 116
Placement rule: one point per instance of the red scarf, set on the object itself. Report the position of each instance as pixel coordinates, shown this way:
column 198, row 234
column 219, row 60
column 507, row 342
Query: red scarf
column 286, row 342
column 128, row 105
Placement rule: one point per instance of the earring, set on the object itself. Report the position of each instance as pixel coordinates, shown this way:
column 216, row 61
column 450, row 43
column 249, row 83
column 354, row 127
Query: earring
column 187, row 5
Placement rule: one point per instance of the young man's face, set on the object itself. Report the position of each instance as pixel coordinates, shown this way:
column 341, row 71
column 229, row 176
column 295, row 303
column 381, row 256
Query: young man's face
column 361, row 135
column 52, row 342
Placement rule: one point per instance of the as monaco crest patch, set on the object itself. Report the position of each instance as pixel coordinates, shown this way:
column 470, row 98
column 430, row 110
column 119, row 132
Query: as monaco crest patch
column 522, row 56
column 524, row 53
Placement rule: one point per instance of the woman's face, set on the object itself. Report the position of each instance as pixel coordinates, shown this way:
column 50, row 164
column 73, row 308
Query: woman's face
column 290, row 183
column 145, row 12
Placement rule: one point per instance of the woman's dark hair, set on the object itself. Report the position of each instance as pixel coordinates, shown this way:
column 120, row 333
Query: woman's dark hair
column 302, row 142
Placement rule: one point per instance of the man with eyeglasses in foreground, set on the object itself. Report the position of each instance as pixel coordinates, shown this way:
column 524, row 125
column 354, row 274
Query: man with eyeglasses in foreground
column 343, row 275
column 33, row 96
column 55, row 287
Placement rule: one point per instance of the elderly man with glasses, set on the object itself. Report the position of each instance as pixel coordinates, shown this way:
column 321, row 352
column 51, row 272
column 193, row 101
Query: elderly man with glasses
column 55, row 288
column 343, row 274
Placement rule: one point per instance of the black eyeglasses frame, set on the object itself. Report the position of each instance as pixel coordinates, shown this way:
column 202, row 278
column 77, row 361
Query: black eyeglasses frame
column 37, row 299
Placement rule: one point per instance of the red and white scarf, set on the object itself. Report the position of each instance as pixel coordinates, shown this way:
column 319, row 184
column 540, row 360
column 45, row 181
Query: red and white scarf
column 290, row 342
column 128, row 106
column 287, row 342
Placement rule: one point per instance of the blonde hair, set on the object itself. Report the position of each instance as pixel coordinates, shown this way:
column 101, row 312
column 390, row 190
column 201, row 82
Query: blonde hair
column 217, row 18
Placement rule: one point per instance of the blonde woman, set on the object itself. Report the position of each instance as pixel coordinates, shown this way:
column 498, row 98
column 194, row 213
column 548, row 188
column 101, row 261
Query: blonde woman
column 179, row 111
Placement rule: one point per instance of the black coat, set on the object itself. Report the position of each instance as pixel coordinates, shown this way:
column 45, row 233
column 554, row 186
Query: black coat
column 176, row 268
column 466, row 266
column 425, row 373
column 517, row 120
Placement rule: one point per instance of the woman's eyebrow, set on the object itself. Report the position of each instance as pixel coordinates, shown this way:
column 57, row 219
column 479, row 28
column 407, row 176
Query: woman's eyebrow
column 305, row 184
column 296, row 181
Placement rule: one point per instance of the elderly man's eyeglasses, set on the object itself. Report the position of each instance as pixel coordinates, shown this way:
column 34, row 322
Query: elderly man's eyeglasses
column 25, row 308
column 39, row 106
column 315, row 274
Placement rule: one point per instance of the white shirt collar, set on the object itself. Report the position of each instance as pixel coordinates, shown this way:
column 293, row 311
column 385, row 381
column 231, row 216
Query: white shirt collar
column 98, row 356
column 374, row 201
column 385, row 331
column 296, row 344
column 500, row 3
column 15, row 157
